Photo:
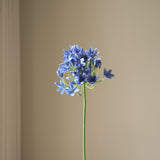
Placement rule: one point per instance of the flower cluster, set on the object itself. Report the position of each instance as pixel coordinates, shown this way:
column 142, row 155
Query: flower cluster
column 80, row 67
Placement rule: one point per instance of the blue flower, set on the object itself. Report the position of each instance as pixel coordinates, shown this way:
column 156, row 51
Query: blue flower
column 74, row 48
column 87, row 71
column 63, row 68
column 80, row 79
column 59, row 73
column 92, row 79
column 61, row 86
column 79, row 67
column 71, row 90
column 98, row 63
column 107, row 74
column 92, row 52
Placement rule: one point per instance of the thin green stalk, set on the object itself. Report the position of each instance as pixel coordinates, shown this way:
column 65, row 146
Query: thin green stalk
column 84, row 120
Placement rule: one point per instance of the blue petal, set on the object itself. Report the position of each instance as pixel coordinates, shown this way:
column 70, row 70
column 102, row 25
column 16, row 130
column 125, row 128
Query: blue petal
column 57, row 84
column 62, row 91
column 98, row 63
column 59, row 89
column 59, row 73
column 61, row 83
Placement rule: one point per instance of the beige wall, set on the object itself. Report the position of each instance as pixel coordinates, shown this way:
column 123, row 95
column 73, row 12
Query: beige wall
column 1, row 140
column 123, row 114
column 9, row 80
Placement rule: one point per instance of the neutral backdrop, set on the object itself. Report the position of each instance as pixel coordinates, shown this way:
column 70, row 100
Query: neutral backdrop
column 123, row 114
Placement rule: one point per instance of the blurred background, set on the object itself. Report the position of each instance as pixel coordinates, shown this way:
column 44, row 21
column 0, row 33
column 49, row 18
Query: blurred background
column 123, row 114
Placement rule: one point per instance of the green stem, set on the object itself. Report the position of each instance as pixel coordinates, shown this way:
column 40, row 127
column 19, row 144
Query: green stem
column 84, row 120
column 100, row 80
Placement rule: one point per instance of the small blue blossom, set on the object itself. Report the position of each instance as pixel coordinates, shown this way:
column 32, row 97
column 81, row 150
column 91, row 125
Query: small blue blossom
column 80, row 79
column 107, row 74
column 98, row 63
column 92, row 52
column 71, row 90
column 59, row 73
column 92, row 79
column 80, row 67
column 61, row 86
column 63, row 68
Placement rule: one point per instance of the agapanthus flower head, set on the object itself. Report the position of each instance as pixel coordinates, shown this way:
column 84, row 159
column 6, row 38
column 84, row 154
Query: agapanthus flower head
column 80, row 67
